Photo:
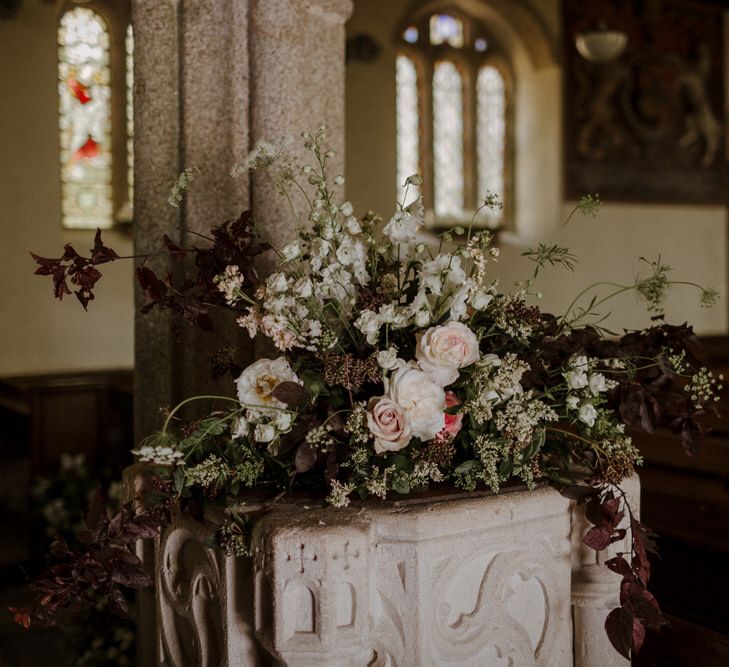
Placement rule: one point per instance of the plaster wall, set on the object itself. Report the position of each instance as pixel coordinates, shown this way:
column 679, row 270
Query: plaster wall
column 38, row 334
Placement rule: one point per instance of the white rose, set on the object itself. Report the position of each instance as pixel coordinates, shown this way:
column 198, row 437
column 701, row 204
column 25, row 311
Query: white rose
column 257, row 382
column 422, row 401
column 389, row 360
column 388, row 424
column 291, row 250
column 442, row 350
column 597, row 383
column 264, row 433
column 587, row 414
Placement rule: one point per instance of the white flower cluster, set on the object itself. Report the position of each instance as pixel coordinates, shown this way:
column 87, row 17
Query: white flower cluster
column 703, row 387
column 158, row 455
column 584, row 386
column 183, row 182
column 265, row 417
column 230, row 283
column 495, row 382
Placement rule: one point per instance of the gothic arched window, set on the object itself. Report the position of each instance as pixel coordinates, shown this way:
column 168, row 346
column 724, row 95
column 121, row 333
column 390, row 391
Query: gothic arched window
column 453, row 96
column 95, row 105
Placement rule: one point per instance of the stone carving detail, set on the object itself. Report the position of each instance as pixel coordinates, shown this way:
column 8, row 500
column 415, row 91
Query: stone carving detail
column 189, row 586
column 489, row 581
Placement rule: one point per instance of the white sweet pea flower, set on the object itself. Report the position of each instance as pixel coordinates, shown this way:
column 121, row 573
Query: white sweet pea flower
column 459, row 300
column 303, row 288
column 389, row 360
column 587, row 414
column 346, row 252
column 576, row 377
column 282, row 421
column 369, row 324
column 277, row 282
column 598, row 384
column 242, row 428
column 572, row 402
column 480, row 300
column 346, row 209
column 291, row 250
column 351, row 224
column 264, row 433
column 423, row 402
column 402, row 228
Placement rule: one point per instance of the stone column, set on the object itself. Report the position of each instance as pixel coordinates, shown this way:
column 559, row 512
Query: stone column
column 595, row 589
column 191, row 106
column 297, row 83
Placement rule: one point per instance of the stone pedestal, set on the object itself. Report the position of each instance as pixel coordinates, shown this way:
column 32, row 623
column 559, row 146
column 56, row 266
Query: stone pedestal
column 499, row 580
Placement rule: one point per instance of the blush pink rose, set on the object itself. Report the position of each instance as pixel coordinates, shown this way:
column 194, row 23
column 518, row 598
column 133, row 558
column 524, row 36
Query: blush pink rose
column 388, row 423
column 453, row 423
column 442, row 350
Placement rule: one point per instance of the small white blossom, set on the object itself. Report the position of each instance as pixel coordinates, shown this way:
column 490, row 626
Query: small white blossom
column 587, row 414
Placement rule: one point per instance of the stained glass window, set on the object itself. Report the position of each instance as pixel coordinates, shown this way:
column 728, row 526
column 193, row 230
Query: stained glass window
column 446, row 29
column 490, row 131
column 407, row 125
column 129, row 48
column 410, row 34
column 85, row 120
column 448, row 139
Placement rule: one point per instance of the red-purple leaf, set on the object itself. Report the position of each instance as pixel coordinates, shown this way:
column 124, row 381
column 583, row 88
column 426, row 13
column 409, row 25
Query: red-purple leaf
column 619, row 628
column 305, row 458
column 292, row 394
column 638, row 634
column 598, row 538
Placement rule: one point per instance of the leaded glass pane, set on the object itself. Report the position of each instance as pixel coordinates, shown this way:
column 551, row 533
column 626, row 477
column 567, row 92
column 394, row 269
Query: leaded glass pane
column 129, row 45
column 406, row 81
column 446, row 29
column 85, row 119
column 491, row 130
column 448, row 139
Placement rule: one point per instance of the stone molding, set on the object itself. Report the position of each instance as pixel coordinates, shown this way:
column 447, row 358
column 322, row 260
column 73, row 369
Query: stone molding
column 497, row 580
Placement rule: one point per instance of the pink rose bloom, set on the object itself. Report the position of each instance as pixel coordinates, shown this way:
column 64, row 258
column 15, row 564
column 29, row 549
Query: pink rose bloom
column 453, row 423
column 442, row 350
column 388, row 423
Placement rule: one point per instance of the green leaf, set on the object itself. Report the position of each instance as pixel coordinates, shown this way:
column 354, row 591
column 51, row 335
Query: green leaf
column 401, row 486
column 506, row 468
column 179, row 479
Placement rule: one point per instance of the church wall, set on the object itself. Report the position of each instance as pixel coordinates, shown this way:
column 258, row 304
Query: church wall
column 38, row 334
column 692, row 239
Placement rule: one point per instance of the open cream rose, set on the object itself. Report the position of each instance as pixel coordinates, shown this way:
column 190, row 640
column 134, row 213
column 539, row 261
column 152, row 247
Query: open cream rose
column 422, row 401
column 442, row 350
column 257, row 382
column 388, row 423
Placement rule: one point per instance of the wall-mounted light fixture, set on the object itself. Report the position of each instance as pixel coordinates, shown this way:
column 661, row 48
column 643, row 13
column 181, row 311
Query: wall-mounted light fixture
column 601, row 45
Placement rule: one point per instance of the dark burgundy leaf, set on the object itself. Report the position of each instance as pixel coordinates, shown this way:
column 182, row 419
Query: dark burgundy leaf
column 598, row 538
column 305, row 458
column 176, row 252
column 292, row 394
column 619, row 628
column 619, row 565
column 118, row 603
column 578, row 492
column 100, row 253
column 638, row 634
column 691, row 437
column 131, row 576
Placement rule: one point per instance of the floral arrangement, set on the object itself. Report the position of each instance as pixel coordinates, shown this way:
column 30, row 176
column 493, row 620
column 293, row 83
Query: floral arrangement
column 397, row 366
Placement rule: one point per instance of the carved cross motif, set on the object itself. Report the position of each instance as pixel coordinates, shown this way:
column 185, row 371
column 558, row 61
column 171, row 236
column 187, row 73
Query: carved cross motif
column 301, row 557
column 347, row 554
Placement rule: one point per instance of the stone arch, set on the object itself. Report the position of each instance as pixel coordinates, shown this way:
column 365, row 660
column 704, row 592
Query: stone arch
column 514, row 19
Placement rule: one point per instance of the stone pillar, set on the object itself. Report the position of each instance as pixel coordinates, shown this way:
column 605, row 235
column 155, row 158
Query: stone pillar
column 191, row 109
column 297, row 83
column 595, row 589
